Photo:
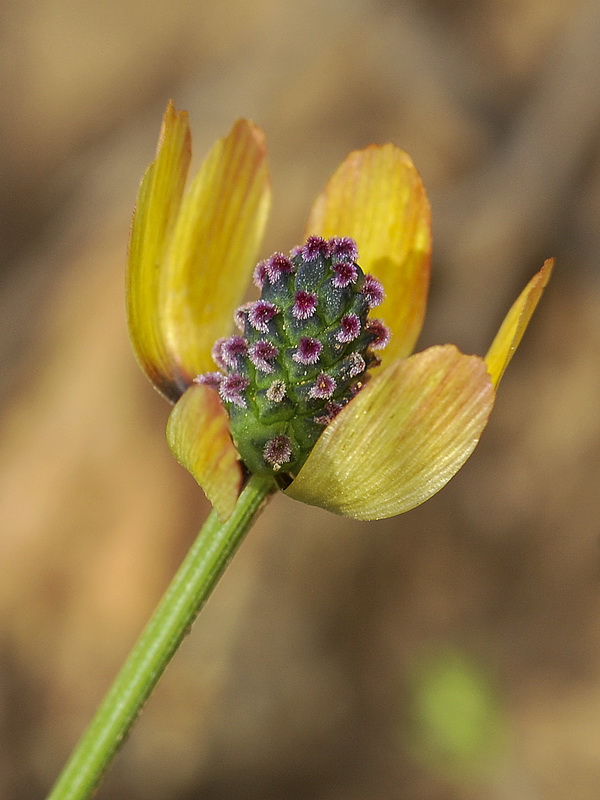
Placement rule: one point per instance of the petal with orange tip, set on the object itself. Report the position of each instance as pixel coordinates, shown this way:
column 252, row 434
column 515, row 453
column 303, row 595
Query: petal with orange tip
column 214, row 246
column 401, row 439
column 515, row 323
column 198, row 435
column 157, row 206
column 376, row 196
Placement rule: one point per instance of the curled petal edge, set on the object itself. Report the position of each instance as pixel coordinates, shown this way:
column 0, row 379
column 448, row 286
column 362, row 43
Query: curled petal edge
column 515, row 323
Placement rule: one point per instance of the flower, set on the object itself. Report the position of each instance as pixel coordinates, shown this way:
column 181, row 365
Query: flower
column 392, row 441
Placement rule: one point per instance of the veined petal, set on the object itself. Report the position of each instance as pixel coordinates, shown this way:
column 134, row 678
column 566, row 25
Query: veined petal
column 157, row 206
column 198, row 435
column 377, row 197
column 515, row 323
column 214, row 246
column 401, row 438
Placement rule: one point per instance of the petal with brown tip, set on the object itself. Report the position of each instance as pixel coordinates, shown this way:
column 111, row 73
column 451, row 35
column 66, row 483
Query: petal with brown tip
column 158, row 203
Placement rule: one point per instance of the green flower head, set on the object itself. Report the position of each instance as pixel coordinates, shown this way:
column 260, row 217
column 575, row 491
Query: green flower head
column 310, row 388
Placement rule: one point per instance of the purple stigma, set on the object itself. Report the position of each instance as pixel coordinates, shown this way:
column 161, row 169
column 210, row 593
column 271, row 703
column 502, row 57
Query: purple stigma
column 232, row 349
column 323, row 388
column 211, row 379
column 349, row 330
column 355, row 389
column 315, row 246
column 260, row 313
column 308, row 351
column 241, row 314
column 231, row 389
column 356, row 364
column 344, row 248
column 331, row 411
column 278, row 451
column 217, row 353
column 380, row 332
column 373, row 291
column 278, row 265
column 344, row 273
column 276, row 391
column 305, row 304
column 261, row 354
column 259, row 274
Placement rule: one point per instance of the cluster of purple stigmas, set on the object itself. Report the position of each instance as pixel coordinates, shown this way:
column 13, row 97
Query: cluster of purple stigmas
column 304, row 352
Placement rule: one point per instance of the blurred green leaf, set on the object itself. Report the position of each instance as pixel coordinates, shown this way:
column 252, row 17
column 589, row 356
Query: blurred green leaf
column 458, row 723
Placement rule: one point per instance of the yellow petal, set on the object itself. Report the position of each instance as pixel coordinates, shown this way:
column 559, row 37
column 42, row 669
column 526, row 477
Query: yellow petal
column 377, row 197
column 401, row 438
column 157, row 206
column 198, row 435
column 515, row 323
column 215, row 244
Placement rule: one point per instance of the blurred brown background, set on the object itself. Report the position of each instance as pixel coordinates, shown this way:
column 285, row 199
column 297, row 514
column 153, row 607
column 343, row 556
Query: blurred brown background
column 450, row 653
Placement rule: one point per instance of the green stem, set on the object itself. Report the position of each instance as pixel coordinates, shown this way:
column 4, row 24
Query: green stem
column 191, row 586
